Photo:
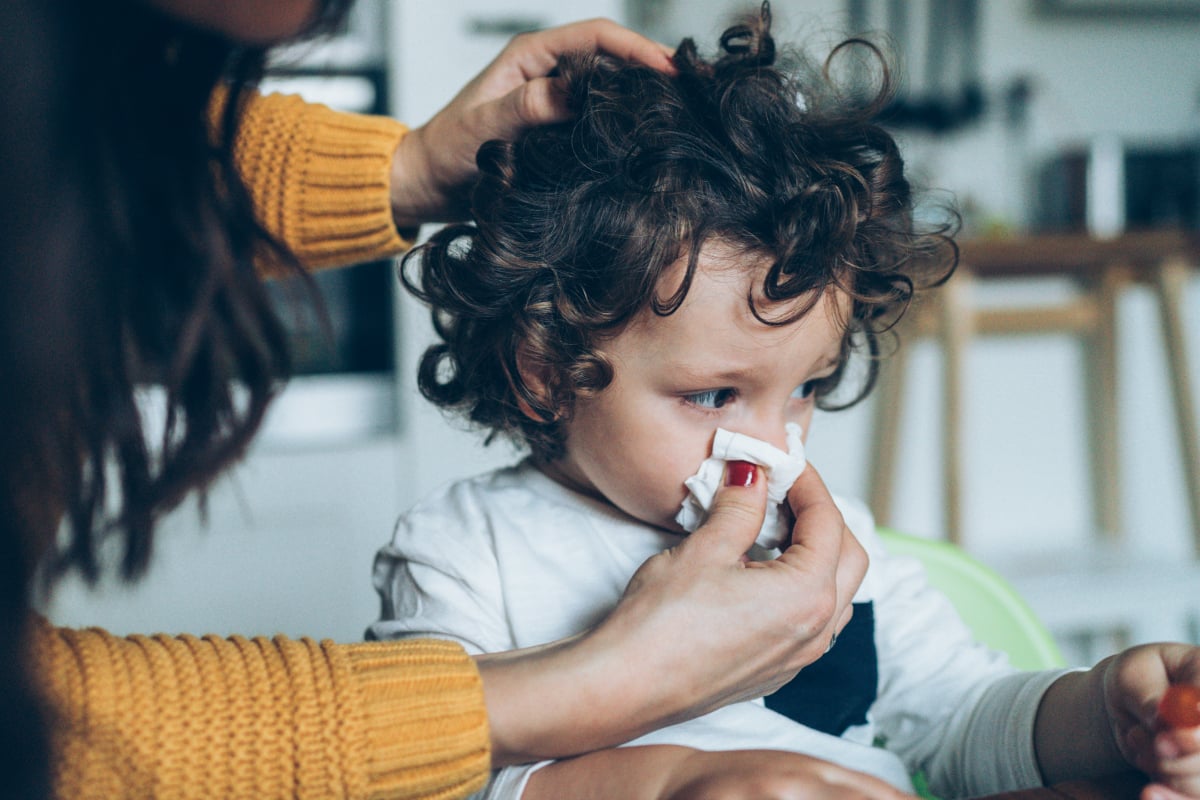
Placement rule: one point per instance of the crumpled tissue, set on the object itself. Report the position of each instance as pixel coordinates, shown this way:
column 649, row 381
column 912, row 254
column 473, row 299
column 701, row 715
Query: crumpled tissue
column 781, row 468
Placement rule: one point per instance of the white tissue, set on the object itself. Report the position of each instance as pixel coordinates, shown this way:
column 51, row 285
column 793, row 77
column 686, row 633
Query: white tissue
column 782, row 470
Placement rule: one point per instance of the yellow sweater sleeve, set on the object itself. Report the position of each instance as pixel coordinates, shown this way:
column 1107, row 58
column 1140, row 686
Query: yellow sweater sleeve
column 182, row 716
column 320, row 179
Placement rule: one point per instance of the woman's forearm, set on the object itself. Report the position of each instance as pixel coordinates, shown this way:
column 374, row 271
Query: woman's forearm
column 143, row 716
column 562, row 699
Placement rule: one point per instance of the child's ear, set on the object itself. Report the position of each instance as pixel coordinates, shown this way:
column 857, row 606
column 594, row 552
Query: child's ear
column 532, row 388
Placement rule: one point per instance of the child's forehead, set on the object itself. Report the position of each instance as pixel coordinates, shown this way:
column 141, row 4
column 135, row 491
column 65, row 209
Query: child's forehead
column 736, row 269
column 717, row 306
column 738, row 274
column 715, row 335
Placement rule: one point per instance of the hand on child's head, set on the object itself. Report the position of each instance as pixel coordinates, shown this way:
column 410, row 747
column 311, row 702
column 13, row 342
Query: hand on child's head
column 436, row 162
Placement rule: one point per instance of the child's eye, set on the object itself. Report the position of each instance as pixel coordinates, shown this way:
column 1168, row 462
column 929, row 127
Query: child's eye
column 805, row 390
column 713, row 398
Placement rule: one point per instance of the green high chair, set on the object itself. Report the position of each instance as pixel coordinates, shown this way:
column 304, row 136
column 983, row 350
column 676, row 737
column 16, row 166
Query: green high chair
column 992, row 609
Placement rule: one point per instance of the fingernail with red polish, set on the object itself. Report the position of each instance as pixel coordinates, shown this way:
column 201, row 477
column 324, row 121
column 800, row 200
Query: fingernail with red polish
column 740, row 473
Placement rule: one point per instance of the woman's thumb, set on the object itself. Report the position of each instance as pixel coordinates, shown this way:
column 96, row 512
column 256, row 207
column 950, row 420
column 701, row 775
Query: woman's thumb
column 540, row 101
column 736, row 516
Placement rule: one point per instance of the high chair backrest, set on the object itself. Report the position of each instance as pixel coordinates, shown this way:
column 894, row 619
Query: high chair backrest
column 992, row 609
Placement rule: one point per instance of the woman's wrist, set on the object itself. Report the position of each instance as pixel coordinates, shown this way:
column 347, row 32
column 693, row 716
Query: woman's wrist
column 409, row 188
column 565, row 698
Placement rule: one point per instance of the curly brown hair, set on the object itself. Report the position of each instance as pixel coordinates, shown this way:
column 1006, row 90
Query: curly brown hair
column 575, row 223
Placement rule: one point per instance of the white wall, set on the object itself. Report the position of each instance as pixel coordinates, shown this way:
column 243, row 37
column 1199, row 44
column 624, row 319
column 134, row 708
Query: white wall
column 286, row 548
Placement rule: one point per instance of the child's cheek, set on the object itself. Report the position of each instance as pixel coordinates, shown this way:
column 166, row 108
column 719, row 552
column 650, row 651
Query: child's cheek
column 806, row 422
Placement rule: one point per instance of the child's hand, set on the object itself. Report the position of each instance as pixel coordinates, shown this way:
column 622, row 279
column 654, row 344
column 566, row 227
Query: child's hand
column 1135, row 686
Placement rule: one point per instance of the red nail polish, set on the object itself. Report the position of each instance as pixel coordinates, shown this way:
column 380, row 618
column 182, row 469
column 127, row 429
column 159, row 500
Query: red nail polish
column 740, row 473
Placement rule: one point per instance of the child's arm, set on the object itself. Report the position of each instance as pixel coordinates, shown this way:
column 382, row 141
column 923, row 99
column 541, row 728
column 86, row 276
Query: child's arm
column 1106, row 720
column 669, row 772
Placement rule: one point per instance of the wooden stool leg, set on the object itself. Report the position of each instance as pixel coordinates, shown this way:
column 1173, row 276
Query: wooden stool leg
column 1170, row 283
column 1100, row 360
column 884, row 447
column 956, row 331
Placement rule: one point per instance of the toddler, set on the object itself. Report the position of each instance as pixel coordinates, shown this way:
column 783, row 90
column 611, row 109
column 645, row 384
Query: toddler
column 670, row 281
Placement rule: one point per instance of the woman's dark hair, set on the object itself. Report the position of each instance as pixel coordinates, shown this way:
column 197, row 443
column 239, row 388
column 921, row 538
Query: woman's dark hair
column 126, row 250
column 169, row 296
column 575, row 223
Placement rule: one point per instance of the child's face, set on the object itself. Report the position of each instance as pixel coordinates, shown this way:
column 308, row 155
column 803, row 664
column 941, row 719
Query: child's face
column 677, row 378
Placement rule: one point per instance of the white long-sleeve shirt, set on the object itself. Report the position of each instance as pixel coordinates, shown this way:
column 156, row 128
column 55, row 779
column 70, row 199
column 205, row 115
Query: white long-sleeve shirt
column 512, row 559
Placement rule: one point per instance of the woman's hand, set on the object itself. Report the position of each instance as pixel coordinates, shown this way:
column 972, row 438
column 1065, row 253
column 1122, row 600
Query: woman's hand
column 669, row 772
column 697, row 628
column 435, row 163
column 1134, row 685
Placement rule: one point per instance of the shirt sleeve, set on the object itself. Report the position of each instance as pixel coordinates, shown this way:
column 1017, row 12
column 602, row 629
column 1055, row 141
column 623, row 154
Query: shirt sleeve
column 948, row 705
column 1002, row 723
column 174, row 716
column 320, row 180
column 439, row 577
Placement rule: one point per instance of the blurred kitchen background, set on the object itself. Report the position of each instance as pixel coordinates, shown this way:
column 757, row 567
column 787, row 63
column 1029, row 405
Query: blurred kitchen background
column 1034, row 116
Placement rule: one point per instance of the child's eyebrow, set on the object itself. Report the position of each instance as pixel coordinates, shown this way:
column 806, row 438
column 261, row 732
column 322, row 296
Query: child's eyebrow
column 707, row 372
column 734, row 374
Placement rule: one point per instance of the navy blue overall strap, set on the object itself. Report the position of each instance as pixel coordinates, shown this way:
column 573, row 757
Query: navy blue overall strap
column 836, row 691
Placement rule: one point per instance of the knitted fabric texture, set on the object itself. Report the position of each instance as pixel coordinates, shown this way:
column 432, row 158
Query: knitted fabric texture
column 183, row 716
column 320, row 179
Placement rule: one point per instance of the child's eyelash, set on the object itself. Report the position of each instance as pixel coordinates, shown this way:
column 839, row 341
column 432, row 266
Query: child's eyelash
column 716, row 399
column 816, row 387
column 710, row 399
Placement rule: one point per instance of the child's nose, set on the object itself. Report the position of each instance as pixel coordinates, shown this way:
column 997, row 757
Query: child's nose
column 773, row 433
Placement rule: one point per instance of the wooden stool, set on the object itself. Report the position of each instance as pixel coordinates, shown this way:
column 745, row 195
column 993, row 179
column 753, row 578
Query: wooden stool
column 1101, row 269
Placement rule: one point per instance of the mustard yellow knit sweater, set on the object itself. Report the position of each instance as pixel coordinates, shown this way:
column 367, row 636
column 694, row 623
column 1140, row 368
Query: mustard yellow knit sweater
column 180, row 716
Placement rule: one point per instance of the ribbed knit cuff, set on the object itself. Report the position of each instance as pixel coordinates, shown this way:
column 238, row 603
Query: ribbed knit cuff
column 320, row 179
column 426, row 723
